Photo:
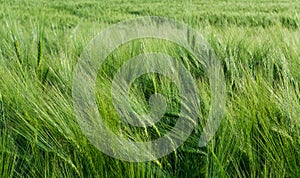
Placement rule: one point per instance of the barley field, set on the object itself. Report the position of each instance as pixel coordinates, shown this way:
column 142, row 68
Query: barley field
column 257, row 44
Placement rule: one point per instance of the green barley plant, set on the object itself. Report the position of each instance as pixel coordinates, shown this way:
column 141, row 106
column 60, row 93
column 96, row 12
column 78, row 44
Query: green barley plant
column 257, row 43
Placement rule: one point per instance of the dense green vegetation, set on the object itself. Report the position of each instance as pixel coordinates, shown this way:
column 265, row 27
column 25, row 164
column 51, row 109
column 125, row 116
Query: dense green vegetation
column 257, row 43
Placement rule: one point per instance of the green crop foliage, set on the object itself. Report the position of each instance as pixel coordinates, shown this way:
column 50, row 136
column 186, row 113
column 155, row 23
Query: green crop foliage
column 257, row 43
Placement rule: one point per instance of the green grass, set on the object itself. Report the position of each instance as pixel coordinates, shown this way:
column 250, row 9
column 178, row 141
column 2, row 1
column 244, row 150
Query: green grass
column 256, row 42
